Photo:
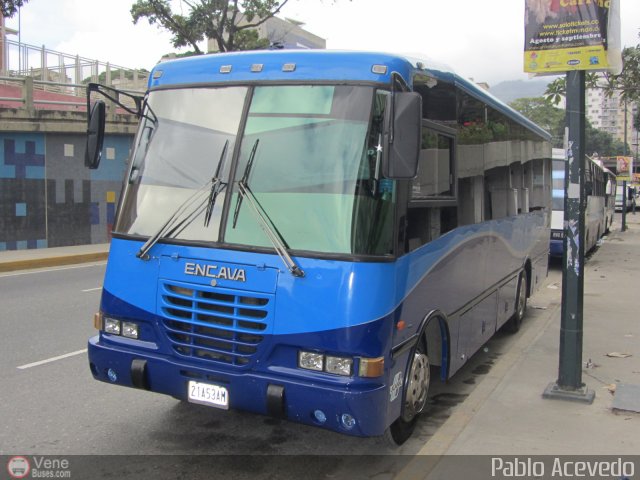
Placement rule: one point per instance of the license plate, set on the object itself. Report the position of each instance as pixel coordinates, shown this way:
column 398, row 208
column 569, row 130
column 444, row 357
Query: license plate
column 207, row 394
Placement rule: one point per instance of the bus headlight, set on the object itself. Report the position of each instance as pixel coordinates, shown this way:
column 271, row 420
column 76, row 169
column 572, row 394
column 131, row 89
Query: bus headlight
column 129, row 330
column 111, row 326
column 339, row 365
column 310, row 360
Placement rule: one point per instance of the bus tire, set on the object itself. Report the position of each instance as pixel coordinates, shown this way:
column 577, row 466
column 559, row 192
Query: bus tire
column 414, row 398
column 514, row 323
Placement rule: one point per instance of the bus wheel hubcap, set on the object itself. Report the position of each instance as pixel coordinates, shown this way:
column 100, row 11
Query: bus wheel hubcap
column 418, row 386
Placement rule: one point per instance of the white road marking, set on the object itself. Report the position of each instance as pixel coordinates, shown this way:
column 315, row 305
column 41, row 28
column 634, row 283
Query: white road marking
column 52, row 359
column 45, row 270
column 91, row 289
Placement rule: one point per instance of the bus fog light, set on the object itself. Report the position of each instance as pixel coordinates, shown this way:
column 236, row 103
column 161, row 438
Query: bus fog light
column 339, row 365
column 347, row 421
column 129, row 330
column 113, row 376
column 319, row 416
column 371, row 367
column 112, row 326
column 310, row 360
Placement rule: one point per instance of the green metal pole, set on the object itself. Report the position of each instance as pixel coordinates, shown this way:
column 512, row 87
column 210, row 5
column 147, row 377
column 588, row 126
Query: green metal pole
column 569, row 385
column 624, row 183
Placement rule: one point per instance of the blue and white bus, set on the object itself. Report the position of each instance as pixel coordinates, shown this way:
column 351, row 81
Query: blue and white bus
column 600, row 192
column 312, row 234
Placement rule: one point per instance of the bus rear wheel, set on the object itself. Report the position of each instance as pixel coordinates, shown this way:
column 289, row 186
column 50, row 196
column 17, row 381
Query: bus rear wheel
column 414, row 398
column 514, row 323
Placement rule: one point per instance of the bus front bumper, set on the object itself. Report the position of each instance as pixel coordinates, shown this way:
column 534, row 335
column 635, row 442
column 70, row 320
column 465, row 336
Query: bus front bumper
column 296, row 400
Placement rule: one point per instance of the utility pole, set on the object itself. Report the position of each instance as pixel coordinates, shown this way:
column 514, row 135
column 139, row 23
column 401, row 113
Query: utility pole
column 624, row 182
column 569, row 385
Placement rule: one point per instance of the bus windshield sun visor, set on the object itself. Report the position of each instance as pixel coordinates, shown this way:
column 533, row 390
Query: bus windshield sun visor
column 202, row 200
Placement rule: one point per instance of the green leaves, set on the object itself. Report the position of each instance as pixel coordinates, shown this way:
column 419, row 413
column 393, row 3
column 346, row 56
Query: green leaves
column 9, row 8
column 230, row 23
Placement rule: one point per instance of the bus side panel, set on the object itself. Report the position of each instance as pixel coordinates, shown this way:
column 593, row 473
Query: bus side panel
column 472, row 280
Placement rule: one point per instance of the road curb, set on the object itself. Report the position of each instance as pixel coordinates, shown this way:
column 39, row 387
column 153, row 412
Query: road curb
column 61, row 260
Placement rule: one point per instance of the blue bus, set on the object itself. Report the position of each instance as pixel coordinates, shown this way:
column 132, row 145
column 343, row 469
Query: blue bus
column 317, row 235
column 600, row 193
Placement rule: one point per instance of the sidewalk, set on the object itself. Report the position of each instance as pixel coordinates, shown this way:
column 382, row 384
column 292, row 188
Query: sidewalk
column 51, row 257
column 506, row 414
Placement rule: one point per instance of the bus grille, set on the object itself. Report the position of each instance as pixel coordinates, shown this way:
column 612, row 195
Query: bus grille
column 217, row 325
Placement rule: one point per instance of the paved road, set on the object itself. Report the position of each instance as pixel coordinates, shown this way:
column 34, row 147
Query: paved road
column 56, row 407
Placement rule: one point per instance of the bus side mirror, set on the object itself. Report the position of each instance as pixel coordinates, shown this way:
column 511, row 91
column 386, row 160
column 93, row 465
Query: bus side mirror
column 402, row 135
column 95, row 135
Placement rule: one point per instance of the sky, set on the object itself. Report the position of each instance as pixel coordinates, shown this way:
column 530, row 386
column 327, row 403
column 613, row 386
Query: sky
column 480, row 39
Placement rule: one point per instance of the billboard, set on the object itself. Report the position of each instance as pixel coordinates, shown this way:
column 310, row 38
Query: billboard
column 624, row 169
column 563, row 35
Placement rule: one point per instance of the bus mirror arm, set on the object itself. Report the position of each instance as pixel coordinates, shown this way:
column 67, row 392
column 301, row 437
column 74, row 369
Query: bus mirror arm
column 402, row 135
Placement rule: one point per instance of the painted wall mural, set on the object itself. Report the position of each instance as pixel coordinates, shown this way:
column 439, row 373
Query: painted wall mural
column 47, row 196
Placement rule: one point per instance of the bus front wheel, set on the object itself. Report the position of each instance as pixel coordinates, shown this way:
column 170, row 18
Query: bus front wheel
column 414, row 398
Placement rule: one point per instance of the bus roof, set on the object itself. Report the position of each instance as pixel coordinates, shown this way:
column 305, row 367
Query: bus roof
column 317, row 65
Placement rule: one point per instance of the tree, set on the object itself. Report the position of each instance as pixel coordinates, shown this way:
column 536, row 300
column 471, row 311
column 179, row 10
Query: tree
column 9, row 8
column 541, row 111
column 602, row 143
column 557, row 89
column 230, row 23
column 628, row 82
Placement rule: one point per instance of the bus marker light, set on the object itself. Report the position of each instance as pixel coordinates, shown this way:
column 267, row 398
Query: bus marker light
column 289, row 67
column 112, row 326
column 379, row 69
column 257, row 67
column 129, row 330
column 401, row 325
column 97, row 320
column 311, row 361
column 339, row 365
column 347, row 421
column 225, row 69
column 371, row 367
column 319, row 416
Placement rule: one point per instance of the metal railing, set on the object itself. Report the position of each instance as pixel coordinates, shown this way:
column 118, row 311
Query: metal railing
column 58, row 72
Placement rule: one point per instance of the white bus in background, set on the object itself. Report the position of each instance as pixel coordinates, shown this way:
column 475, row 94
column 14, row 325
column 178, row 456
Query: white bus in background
column 600, row 189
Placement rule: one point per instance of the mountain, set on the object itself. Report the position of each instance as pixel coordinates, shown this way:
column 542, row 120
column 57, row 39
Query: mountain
column 510, row 90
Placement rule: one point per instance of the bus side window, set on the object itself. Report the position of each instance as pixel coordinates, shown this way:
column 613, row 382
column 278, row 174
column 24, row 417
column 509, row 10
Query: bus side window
column 432, row 204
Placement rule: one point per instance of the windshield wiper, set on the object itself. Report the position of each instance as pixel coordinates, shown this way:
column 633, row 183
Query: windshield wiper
column 171, row 227
column 245, row 180
column 265, row 222
column 216, row 187
column 270, row 230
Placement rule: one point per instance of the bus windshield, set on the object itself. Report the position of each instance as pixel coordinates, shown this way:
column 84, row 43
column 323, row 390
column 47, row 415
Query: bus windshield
column 309, row 154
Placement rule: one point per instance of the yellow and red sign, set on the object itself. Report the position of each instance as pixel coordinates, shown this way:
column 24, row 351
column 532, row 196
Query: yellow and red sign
column 563, row 35
column 624, row 169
